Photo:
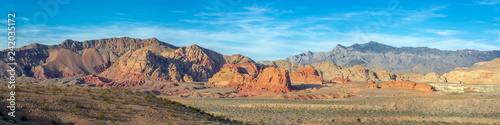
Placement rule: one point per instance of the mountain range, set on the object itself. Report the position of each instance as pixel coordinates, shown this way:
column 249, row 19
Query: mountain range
column 131, row 62
column 375, row 55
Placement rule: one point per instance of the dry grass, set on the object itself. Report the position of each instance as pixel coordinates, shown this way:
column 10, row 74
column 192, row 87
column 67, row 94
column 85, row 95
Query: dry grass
column 77, row 105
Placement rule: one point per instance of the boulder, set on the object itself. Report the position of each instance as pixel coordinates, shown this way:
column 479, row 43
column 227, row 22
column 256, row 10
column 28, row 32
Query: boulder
column 307, row 75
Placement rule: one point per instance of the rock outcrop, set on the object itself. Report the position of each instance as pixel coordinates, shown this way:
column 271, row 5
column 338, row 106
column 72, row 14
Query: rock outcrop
column 307, row 75
column 341, row 80
column 248, row 76
column 196, row 61
column 141, row 64
column 403, row 85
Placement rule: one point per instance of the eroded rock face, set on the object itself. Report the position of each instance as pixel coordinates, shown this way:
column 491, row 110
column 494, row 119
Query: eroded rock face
column 248, row 76
column 66, row 63
column 273, row 79
column 329, row 70
column 139, row 64
column 406, row 85
column 307, row 75
column 35, row 55
column 196, row 61
column 341, row 80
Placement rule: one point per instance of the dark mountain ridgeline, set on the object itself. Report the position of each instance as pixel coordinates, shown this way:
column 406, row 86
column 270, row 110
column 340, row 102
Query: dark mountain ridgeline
column 403, row 59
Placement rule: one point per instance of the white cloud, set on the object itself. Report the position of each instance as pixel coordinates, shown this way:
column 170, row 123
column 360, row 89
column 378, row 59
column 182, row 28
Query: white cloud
column 444, row 32
column 425, row 14
column 488, row 2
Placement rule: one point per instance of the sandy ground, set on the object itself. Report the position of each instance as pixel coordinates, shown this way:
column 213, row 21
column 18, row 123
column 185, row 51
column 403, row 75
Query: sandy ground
column 372, row 106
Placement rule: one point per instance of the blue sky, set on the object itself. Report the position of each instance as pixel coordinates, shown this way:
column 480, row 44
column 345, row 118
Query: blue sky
column 261, row 29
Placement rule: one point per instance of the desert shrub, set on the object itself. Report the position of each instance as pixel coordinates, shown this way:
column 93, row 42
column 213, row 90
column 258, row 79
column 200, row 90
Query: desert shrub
column 17, row 89
column 45, row 107
column 63, row 99
column 76, row 112
column 112, row 121
column 105, row 99
column 106, row 91
column 117, row 106
column 36, row 91
column 87, row 89
column 123, row 101
column 128, row 91
column 101, row 117
column 207, row 117
column 194, row 110
column 138, row 92
column 77, row 105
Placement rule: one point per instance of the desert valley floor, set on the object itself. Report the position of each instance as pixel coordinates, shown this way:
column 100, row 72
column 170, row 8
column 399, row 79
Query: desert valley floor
column 330, row 103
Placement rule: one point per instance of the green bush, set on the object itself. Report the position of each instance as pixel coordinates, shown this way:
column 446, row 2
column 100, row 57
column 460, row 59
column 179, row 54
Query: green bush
column 45, row 107
column 101, row 117
column 77, row 105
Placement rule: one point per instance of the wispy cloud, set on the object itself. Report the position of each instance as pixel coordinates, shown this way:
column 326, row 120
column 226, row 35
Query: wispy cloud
column 477, row 21
column 444, row 32
column 488, row 2
column 425, row 14
column 496, row 32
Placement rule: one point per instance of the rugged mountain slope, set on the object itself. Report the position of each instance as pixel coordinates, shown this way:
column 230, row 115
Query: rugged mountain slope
column 374, row 55
column 182, row 65
column 482, row 72
column 65, row 63
column 119, row 59
column 30, row 56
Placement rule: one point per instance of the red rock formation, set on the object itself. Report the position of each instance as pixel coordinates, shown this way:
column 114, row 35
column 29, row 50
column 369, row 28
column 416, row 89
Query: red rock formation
column 248, row 76
column 341, row 80
column 373, row 86
column 272, row 79
column 306, row 75
column 407, row 85
column 424, row 87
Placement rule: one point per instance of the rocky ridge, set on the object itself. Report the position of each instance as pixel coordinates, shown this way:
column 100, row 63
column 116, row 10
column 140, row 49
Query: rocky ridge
column 375, row 55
